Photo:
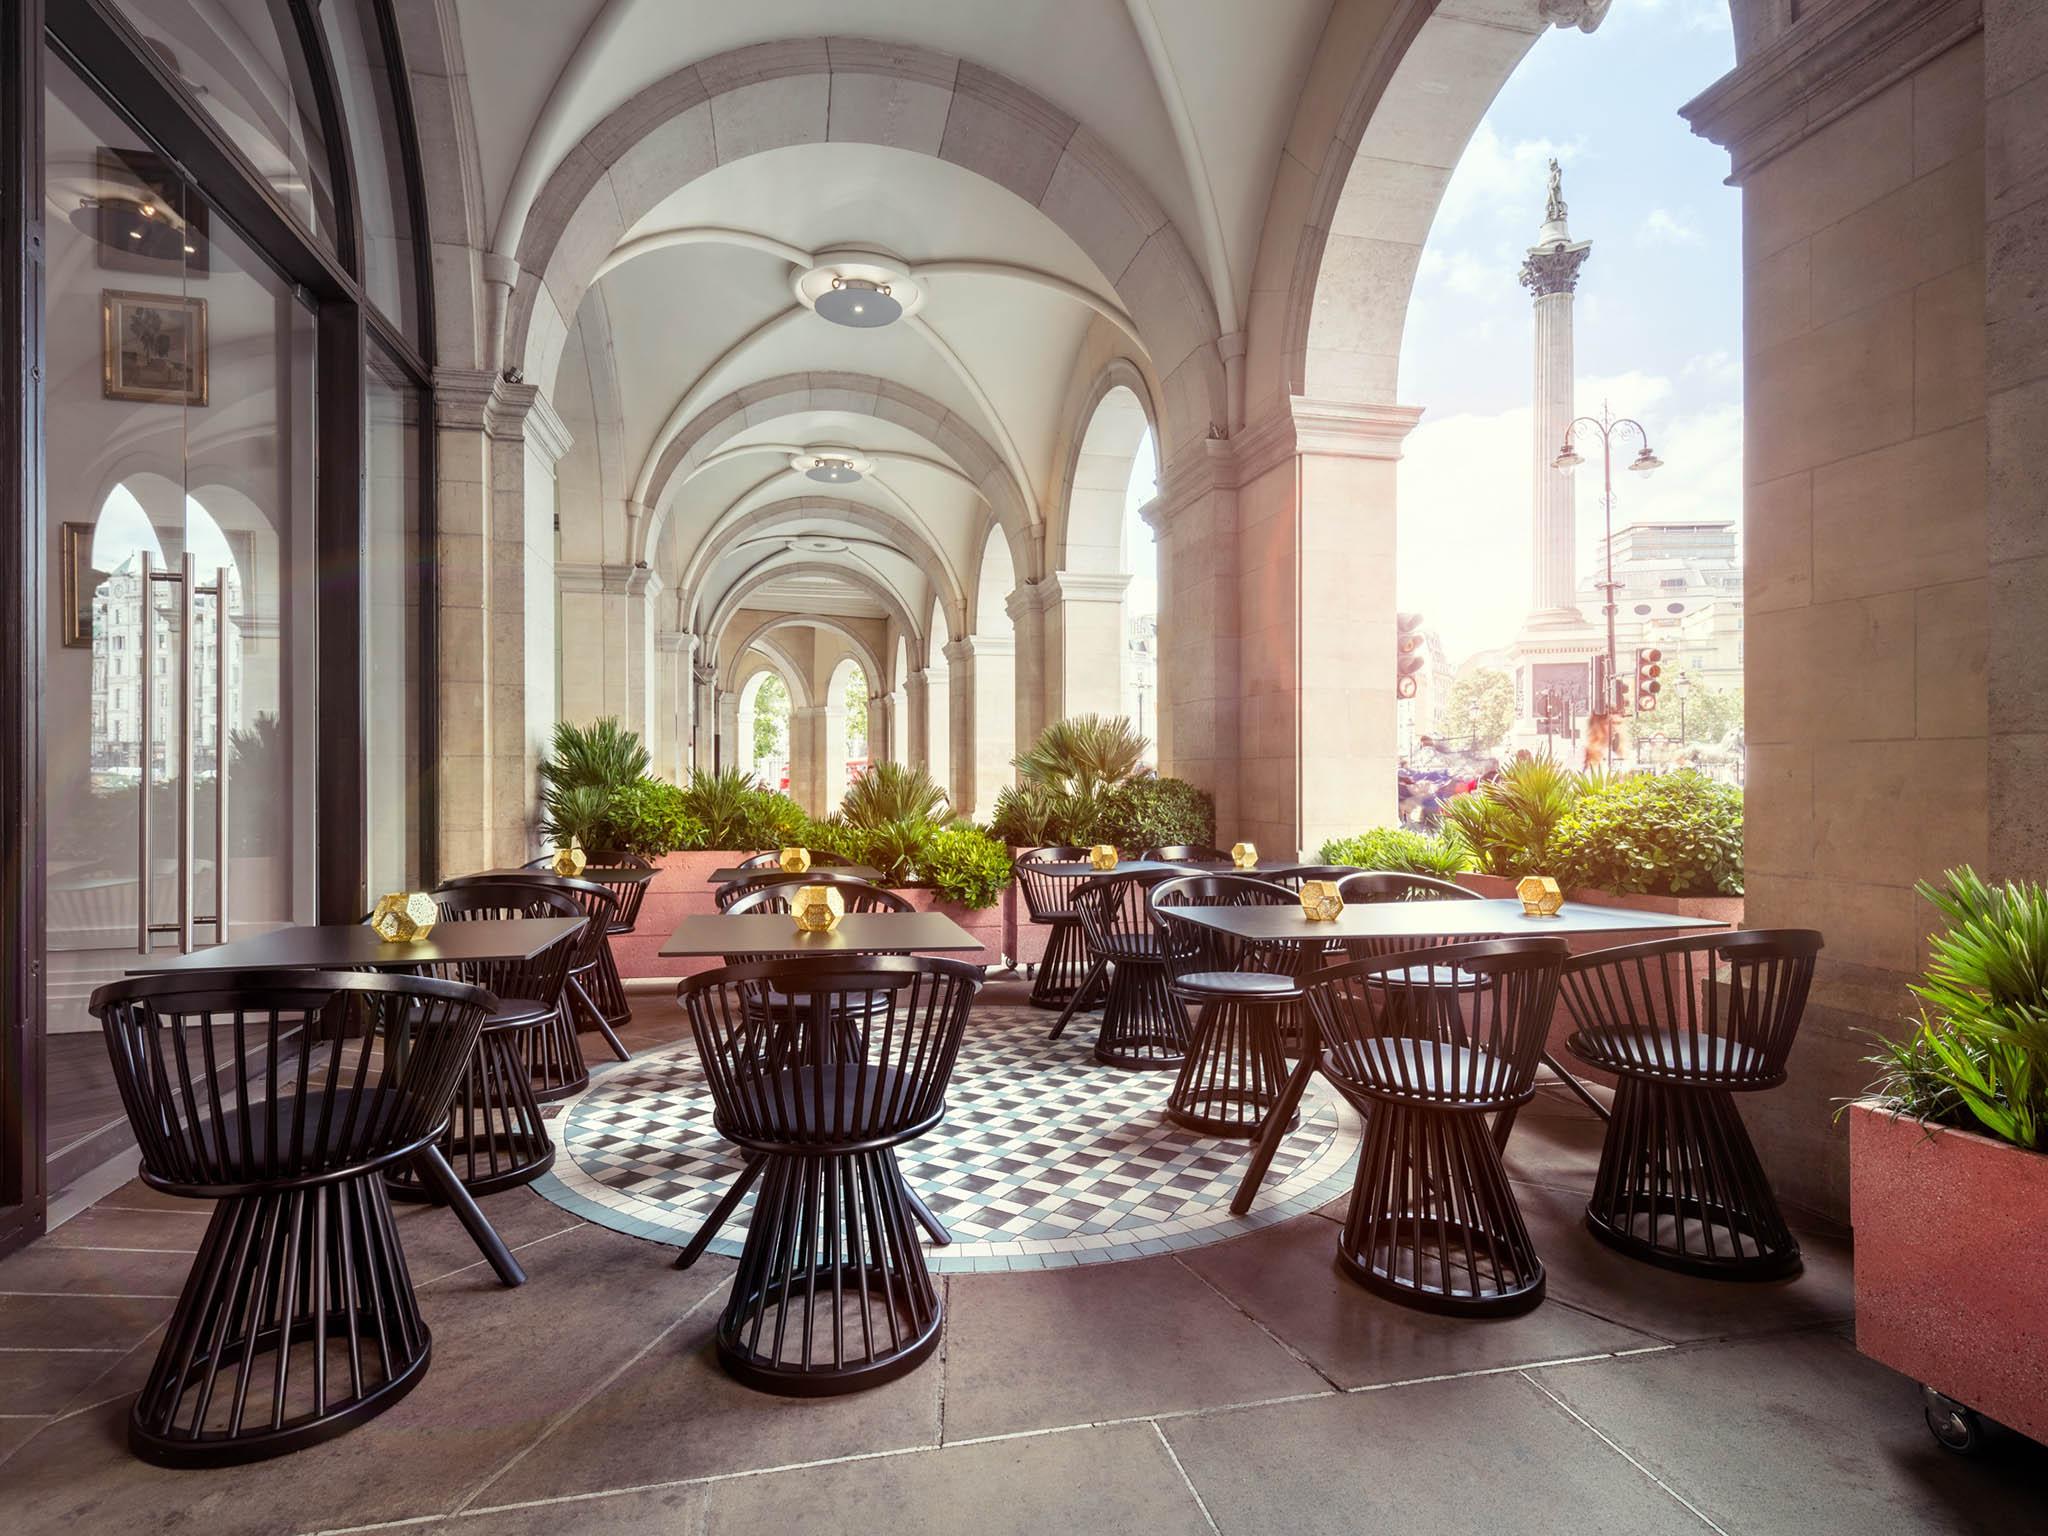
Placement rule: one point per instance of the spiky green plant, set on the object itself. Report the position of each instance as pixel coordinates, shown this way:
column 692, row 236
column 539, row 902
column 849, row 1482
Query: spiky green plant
column 724, row 804
column 602, row 753
column 1507, row 822
column 890, row 792
column 1031, row 816
column 580, row 812
column 1084, row 754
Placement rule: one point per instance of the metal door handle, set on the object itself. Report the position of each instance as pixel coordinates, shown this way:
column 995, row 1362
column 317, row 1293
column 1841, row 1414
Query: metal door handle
column 221, row 754
column 187, row 718
column 147, row 669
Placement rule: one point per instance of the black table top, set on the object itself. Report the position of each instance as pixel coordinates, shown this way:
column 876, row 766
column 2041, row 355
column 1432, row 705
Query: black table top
column 851, row 871
column 1063, row 870
column 762, row 934
column 1447, row 919
column 599, row 874
column 348, row 946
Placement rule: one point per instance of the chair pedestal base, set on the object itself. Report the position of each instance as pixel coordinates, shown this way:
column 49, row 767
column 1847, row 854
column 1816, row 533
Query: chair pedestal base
column 833, row 1294
column 1064, row 967
column 297, row 1322
column 1144, row 1026
column 1234, row 1073
column 1680, row 1186
column 1433, row 1223
column 496, row 1138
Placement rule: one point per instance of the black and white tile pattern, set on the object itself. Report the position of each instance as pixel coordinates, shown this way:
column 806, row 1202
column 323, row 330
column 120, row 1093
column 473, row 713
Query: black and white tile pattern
column 1046, row 1157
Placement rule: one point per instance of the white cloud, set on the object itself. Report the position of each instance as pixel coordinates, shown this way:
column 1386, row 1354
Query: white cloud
column 1663, row 227
column 1503, row 180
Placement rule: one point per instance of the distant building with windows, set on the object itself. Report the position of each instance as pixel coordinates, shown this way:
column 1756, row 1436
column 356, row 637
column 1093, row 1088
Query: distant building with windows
column 1680, row 590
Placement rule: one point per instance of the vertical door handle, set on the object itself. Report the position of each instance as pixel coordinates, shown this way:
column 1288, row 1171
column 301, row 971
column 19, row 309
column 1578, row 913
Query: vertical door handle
column 221, row 756
column 146, row 665
column 187, row 718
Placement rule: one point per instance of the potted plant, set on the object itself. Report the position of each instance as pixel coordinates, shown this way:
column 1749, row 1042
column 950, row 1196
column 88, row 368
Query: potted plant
column 1948, row 1184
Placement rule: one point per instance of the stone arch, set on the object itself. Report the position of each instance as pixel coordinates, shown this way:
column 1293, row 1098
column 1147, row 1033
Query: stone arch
column 1384, row 128
column 770, row 95
column 451, row 172
column 838, row 748
column 899, row 701
column 1100, row 431
column 758, row 639
column 757, row 665
column 938, row 705
column 857, row 576
column 908, row 539
column 858, row 394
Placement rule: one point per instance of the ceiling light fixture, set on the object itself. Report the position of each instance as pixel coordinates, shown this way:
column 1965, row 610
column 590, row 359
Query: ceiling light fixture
column 859, row 303
column 832, row 471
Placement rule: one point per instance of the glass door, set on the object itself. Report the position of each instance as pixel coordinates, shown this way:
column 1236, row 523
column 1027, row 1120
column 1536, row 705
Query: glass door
column 179, row 667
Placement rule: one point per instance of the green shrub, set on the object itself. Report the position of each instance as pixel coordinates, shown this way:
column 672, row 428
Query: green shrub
column 737, row 812
column 1400, row 849
column 1033, row 815
column 586, row 768
column 1084, row 755
column 649, row 816
column 1977, row 1056
column 892, row 792
column 965, row 864
column 1152, row 812
column 1661, row 834
column 1507, row 822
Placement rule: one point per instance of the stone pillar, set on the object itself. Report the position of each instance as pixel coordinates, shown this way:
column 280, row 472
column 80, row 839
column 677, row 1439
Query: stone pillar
column 669, row 741
column 724, row 749
column 917, row 698
column 961, row 683
column 994, row 719
column 1869, row 728
column 881, row 727
column 1315, row 610
column 807, row 758
column 1551, row 273
column 1027, row 624
column 1195, row 520
column 704, row 715
column 607, row 643
column 496, row 445
column 1084, row 643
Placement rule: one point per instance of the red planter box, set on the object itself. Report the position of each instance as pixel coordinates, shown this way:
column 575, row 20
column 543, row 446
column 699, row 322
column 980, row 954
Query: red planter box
column 682, row 887
column 1951, row 1267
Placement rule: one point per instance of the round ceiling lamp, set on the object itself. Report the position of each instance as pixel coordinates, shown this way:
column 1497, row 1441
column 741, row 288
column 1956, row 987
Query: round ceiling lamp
column 827, row 470
column 859, row 303
column 830, row 464
column 865, row 290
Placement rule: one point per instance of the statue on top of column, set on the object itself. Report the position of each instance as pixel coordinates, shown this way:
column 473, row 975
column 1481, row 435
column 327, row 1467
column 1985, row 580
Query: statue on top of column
column 1553, row 210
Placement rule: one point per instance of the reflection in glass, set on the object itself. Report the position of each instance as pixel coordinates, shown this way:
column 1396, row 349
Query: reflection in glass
column 383, row 208
column 241, row 59
column 391, row 664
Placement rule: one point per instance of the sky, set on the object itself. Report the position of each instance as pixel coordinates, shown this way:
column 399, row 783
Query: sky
column 1658, row 320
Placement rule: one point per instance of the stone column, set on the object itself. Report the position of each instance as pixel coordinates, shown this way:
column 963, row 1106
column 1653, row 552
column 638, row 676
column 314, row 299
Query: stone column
column 497, row 445
column 669, row 740
column 994, row 719
column 881, row 727
column 724, row 750
column 961, row 682
column 807, row 757
column 917, row 696
column 1084, row 643
column 1551, row 274
column 1195, row 520
column 703, row 708
column 1027, row 622
column 607, row 643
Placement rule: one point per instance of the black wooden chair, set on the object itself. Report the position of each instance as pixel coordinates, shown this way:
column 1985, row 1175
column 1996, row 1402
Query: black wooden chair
column 496, row 1136
column 557, row 1061
column 606, row 988
column 833, row 1293
column 298, row 1320
column 771, row 892
column 1426, row 1045
column 1185, row 853
column 1679, row 1182
column 772, row 859
column 1236, row 990
column 1048, row 901
column 1143, row 1024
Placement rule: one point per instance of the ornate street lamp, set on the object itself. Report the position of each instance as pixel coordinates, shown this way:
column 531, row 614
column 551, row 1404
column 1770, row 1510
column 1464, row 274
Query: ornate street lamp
column 1608, row 426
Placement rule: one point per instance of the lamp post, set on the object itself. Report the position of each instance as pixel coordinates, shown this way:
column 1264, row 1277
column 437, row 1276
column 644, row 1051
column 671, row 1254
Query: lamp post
column 1682, row 687
column 1608, row 426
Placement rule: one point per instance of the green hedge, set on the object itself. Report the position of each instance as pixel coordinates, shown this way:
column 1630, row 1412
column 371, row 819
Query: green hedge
column 1658, row 834
column 1400, row 849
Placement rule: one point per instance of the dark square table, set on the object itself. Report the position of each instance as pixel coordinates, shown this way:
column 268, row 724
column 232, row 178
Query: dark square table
column 764, row 935
column 1076, row 870
column 355, row 946
column 730, row 873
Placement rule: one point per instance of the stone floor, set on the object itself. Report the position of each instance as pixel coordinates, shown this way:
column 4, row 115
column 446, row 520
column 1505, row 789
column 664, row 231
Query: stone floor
column 1242, row 1387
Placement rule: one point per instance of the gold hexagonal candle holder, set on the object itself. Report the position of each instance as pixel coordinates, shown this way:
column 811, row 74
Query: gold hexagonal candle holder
column 1244, row 855
column 1540, row 896
column 817, row 908
column 794, row 861
column 404, row 917
column 1102, row 856
column 1320, row 901
column 570, row 861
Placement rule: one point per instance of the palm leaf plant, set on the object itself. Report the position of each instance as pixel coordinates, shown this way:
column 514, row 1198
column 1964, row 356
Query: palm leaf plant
column 1084, row 754
column 892, row 792
column 725, row 804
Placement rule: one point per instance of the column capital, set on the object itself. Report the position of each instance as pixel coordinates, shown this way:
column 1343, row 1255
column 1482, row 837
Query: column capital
column 615, row 580
column 1089, row 586
column 1028, row 599
column 1820, row 67
column 674, row 641
column 808, row 711
column 959, row 652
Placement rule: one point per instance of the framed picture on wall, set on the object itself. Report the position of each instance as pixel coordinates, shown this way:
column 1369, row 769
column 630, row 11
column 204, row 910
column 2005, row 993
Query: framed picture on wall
column 153, row 348
column 78, row 581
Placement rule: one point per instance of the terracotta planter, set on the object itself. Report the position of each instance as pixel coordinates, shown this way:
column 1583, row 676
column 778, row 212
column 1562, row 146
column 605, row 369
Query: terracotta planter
column 1709, row 909
column 1950, row 1266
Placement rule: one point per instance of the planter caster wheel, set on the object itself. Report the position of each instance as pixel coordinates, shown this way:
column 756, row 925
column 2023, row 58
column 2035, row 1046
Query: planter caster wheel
column 1954, row 1427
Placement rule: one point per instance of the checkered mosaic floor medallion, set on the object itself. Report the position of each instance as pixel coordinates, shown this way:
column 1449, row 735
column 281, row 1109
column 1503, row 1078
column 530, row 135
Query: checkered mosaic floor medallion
column 1046, row 1158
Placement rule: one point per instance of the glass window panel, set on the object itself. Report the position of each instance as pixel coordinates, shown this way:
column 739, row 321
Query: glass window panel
column 392, row 660
column 363, row 76
column 242, row 60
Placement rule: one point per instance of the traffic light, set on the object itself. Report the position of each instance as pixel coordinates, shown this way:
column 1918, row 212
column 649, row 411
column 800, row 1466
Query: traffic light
column 1649, row 668
column 1408, row 656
